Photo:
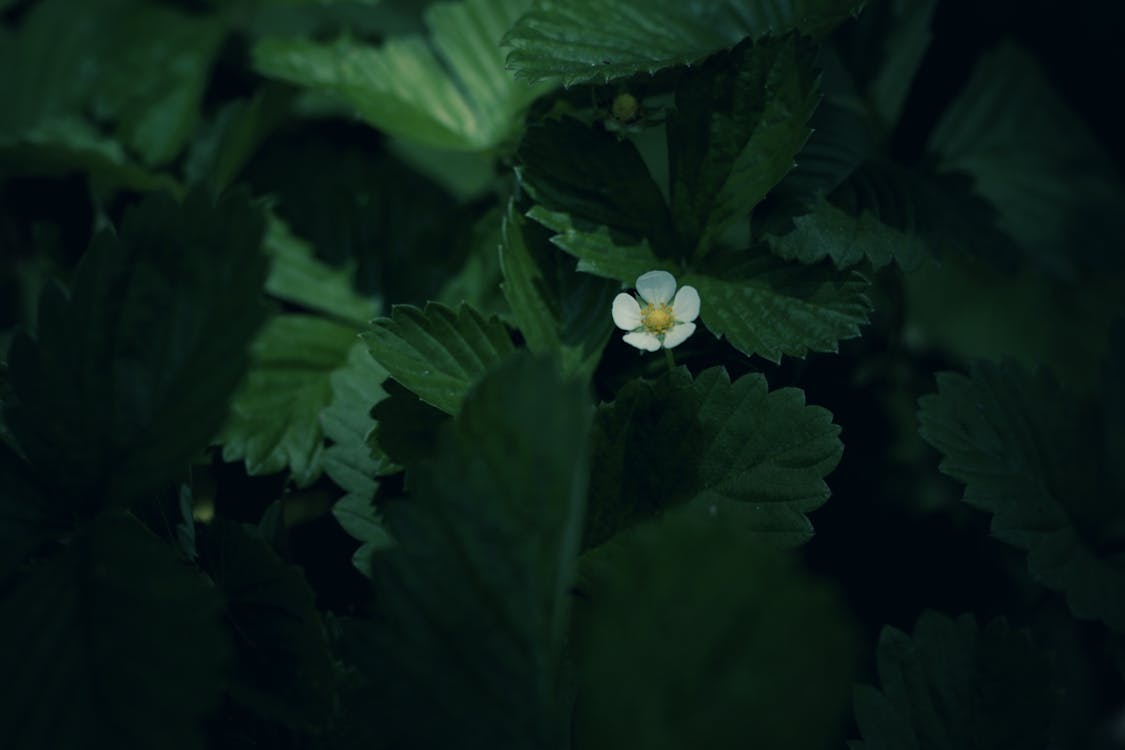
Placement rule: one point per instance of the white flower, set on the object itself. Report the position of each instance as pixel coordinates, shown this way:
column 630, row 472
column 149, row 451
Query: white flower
column 658, row 323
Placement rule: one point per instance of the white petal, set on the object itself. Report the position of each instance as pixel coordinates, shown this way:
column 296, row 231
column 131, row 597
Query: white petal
column 642, row 340
column 685, row 308
column 656, row 287
column 626, row 312
column 678, row 334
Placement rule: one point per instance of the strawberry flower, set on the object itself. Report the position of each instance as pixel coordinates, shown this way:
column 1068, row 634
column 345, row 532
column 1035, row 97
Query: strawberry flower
column 663, row 321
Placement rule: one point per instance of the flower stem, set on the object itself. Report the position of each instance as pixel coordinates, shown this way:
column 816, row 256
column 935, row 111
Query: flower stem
column 670, row 359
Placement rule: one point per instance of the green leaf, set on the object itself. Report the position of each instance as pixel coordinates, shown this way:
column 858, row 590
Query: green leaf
column 772, row 309
column 599, row 249
column 120, row 636
column 274, row 420
column 569, row 167
column 283, row 668
column 297, row 277
column 436, row 352
column 740, row 118
column 685, row 635
column 130, row 377
column 475, row 597
column 1031, row 455
column 597, row 40
column 351, row 461
column 452, row 92
column 1030, row 155
column 953, row 685
column 557, row 308
column 830, row 232
column 762, row 305
column 734, row 454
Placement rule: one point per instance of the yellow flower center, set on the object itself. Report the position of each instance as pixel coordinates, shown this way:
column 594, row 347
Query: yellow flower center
column 657, row 319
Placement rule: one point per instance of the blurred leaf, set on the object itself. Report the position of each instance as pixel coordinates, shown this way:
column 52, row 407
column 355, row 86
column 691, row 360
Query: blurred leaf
column 466, row 175
column 230, row 139
column 1030, row 155
column 274, row 421
column 942, row 210
column 952, row 685
column 283, row 668
column 735, row 454
column 1113, row 400
column 739, row 120
column 478, row 282
column 297, row 277
column 27, row 515
column 361, row 208
column 454, row 94
column 406, row 427
column 130, row 377
column 436, row 352
column 65, row 144
column 557, row 308
column 829, row 232
column 1031, row 455
column 142, row 67
column 474, row 598
column 350, row 460
column 596, row 40
column 154, row 76
column 883, row 50
column 119, row 635
column 1027, row 316
column 841, row 141
column 685, row 635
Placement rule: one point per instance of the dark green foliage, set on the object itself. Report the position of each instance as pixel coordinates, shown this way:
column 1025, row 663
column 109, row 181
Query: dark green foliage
column 721, row 163
column 1029, row 156
column 1034, row 457
column 734, row 454
column 602, row 179
column 274, row 422
column 26, row 512
column 623, row 38
column 953, row 685
column 436, row 352
column 478, row 580
column 129, row 376
column 686, row 635
column 282, row 665
column 557, row 308
column 114, row 642
column 327, row 420
column 739, row 120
